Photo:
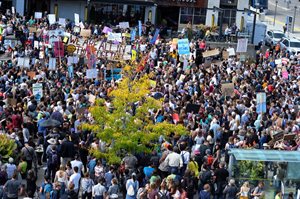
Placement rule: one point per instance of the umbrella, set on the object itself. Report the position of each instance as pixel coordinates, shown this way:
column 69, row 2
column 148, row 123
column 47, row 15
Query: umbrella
column 157, row 95
column 50, row 123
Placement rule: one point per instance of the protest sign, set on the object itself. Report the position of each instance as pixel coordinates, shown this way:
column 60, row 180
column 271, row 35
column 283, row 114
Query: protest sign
column 114, row 37
column 231, row 51
column 53, row 37
column 133, row 55
column 132, row 35
column 38, row 15
column 225, row 55
column 242, row 45
column 85, row 32
column 71, row 48
column 13, row 11
column 91, row 73
column 37, row 91
column 285, row 75
column 52, row 19
column 227, row 89
column 62, row 21
column 140, row 28
column 32, row 29
column 72, row 60
column 242, row 58
column 106, row 30
column 92, row 98
column 277, row 61
column 261, row 106
column 36, row 44
column 175, row 118
column 183, row 47
column 76, row 19
column 211, row 53
column 289, row 137
column 59, row 49
column 124, row 25
column 153, row 40
column 52, row 63
column 31, row 74
column 174, row 43
column 71, row 71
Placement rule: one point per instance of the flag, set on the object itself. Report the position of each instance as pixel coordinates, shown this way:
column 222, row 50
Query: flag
column 153, row 40
column 140, row 28
column 133, row 33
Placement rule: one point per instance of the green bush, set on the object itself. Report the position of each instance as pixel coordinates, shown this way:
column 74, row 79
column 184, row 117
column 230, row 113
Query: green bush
column 7, row 147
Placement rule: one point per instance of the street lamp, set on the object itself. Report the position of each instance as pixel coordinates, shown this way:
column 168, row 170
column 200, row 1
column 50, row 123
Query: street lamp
column 254, row 23
column 275, row 13
column 221, row 19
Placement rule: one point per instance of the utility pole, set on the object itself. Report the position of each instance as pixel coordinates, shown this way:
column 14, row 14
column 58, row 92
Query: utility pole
column 275, row 12
column 294, row 19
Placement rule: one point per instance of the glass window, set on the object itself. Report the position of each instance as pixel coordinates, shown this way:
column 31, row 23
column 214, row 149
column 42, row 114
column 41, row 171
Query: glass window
column 286, row 43
column 186, row 11
column 278, row 35
column 295, row 44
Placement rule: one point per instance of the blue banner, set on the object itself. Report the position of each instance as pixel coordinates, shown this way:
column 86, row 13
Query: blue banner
column 132, row 34
column 153, row 40
column 183, row 47
column 140, row 28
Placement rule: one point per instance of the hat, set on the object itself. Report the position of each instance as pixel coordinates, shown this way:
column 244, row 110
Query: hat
column 10, row 160
column 51, row 141
column 133, row 174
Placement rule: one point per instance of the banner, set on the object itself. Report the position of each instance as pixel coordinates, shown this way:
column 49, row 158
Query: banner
column 261, row 105
column 59, row 49
column 242, row 45
column 91, row 56
column 37, row 91
column 153, row 40
column 183, row 47
column 140, row 28
column 211, row 53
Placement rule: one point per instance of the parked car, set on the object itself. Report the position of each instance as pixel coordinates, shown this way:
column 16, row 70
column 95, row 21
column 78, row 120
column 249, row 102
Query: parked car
column 273, row 37
column 291, row 45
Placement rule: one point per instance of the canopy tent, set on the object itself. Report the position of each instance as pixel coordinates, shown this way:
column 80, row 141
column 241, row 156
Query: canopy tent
column 265, row 155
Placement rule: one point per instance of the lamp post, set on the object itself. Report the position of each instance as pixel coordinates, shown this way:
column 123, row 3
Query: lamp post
column 275, row 13
column 254, row 23
column 294, row 19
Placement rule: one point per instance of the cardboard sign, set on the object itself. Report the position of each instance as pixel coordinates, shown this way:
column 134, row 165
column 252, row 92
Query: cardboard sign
column 76, row 19
column 242, row 45
column 38, row 15
column 183, row 47
column 31, row 74
column 211, row 53
column 11, row 101
column 37, row 91
column 52, row 63
column 91, row 73
column 85, row 32
column 92, row 98
column 124, row 25
column 225, row 55
column 289, row 137
column 106, row 30
column 227, row 89
column 71, row 48
column 32, row 29
column 52, row 19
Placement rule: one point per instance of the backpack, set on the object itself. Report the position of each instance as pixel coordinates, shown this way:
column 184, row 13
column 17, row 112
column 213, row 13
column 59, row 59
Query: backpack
column 209, row 160
column 130, row 190
column 163, row 195
column 54, row 158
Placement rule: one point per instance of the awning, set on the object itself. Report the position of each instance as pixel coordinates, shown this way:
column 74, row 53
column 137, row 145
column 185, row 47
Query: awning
column 265, row 155
column 129, row 2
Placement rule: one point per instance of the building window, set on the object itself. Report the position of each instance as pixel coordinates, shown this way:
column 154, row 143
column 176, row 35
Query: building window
column 194, row 15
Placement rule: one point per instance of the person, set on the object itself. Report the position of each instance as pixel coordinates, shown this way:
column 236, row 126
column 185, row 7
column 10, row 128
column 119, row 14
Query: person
column 205, row 193
column 13, row 187
column 31, row 183
column 132, row 187
column 46, row 187
column 52, row 162
column 284, row 28
column 174, row 161
column 278, row 195
column 75, row 179
column 98, row 190
column 230, row 190
column 221, row 174
column 30, row 155
column 244, row 191
column 113, row 190
column 22, row 167
column 86, row 186
column 259, row 192
column 10, row 168
column 72, row 194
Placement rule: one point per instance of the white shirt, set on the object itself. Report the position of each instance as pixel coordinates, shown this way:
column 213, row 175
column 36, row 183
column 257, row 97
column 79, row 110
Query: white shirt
column 76, row 163
column 75, row 178
column 174, row 160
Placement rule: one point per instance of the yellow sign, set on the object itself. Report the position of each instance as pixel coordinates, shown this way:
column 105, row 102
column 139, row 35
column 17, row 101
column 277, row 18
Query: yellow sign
column 71, row 48
column 133, row 55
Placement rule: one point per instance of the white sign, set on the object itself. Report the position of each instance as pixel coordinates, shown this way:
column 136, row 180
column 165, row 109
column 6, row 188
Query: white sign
column 91, row 73
column 23, row 62
column 36, row 44
column 278, row 61
column 242, row 45
column 52, row 63
column 72, row 60
column 76, row 19
column 124, row 25
column 62, row 21
column 53, row 37
column 38, row 15
column 37, row 91
column 13, row 10
column 51, row 18
column 231, row 51
column 114, row 37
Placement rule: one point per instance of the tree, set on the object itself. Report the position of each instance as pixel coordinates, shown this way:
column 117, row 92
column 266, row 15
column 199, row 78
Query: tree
column 7, row 146
column 127, row 129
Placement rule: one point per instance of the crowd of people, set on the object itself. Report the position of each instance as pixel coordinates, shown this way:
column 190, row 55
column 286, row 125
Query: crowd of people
column 195, row 165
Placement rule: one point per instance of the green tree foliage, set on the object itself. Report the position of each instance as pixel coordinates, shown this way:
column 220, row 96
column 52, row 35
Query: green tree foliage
column 7, row 147
column 251, row 169
column 123, row 131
